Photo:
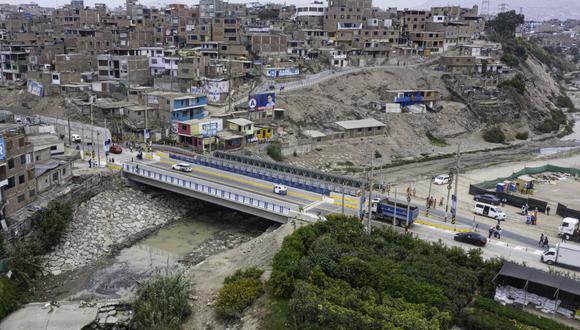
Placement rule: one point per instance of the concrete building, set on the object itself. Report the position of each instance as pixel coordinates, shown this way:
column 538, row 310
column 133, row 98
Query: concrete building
column 20, row 187
column 310, row 15
column 200, row 134
column 131, row 69
column 269, row 44
column 13, row 62
column 174, row 107
column 362, row 127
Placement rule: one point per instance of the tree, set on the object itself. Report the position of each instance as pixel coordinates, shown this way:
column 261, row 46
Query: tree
column 494, row 135
column 504, row 24
column 162, row 303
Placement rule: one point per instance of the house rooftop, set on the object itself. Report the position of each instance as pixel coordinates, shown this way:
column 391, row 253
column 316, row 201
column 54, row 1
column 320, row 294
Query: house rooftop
column 361, row 123
column 240, row 121
column 43, row 139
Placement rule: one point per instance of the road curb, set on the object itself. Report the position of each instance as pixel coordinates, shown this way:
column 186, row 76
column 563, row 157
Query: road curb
column 444, row 225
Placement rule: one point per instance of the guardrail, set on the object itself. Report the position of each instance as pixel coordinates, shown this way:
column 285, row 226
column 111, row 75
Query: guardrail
column 240, row 198
column 273, row 176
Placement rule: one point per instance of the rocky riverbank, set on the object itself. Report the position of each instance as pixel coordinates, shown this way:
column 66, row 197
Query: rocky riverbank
column 109, row 220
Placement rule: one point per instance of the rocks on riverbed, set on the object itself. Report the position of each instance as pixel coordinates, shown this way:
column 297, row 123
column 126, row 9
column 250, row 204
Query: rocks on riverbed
column 222, row 241
column 108, row 219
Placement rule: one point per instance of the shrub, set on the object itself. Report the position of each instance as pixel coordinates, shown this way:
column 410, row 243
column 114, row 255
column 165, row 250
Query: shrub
column 510, row 59
column 548, row 126
column 522, row 135
column 54, row 222
column 518, row 82
column 239, row 291
column 275, row 152
column 563, row 101
column 436, row 141
column 494, row 135
column 9, row 298
column 162, row 303
column 26, row 260
column 378, row 154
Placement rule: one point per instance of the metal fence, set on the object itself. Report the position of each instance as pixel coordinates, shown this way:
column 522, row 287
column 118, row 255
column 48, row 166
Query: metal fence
column 490, row 184
column 240, row 198
column 565, row 212
column 512, row 200
column 270, row 175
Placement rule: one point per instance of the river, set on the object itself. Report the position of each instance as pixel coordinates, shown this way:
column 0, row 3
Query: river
column 170, row 249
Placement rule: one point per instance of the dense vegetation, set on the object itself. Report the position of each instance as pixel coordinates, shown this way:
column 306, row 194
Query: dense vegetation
column 503, row 26
column 336, row 277
column 486, row 314
column 239, row 291
column 9, row 298
column 563, row 101
column 518, row 82
column 274, row 150
column 162, row 303
column 552, row 124
column 494, row 134
column 522, row 135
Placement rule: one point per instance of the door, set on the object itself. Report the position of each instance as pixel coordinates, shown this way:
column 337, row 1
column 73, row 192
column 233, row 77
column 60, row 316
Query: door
column 486, row 210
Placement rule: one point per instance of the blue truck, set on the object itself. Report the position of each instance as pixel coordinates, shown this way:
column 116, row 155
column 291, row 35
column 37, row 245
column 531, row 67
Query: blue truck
column 384, row 210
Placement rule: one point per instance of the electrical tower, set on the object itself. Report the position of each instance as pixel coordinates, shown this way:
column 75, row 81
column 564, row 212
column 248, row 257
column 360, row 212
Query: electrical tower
column 503, row 7
column 485, row 9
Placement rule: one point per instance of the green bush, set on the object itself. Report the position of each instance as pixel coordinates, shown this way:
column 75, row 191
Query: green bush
column 518, row 82
column 436, row 141
column 548, row 126
column 26, row 260
column 518, row 315
column 563, row 101
column 239, row 291
column 510, row 59
column 162, row 303
column 274, row 150
column 9, row 298
column 54, row 222
column 335, row 276
column 378, row 154
column 522, row 135
column 494, row 135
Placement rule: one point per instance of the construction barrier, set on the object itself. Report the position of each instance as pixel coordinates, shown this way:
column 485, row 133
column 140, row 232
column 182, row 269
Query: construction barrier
column 490, row 184
column 513, row 200
column 565, row 212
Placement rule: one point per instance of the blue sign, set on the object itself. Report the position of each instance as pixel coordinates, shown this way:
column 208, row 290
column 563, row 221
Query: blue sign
column 2, row 149
column 261, row 102
column 35, row 88
column 282, row 72
column 209, row 129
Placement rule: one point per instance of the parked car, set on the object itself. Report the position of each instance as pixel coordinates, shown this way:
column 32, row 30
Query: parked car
column 441, row 179
column 183, row 167
column 471, row 238
column 280, row 189
column 487, row 198
column 75, row 138
column 115, row 149
column 488, row 210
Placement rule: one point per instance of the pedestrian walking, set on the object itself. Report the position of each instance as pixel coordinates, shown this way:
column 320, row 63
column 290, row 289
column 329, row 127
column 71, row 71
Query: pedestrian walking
column 523, row 209
column 414, row 192
column 548, row 210
column 90, row 164
column 441, row 202
column 491, row 231
column 545, row 244
column 541, row 241
column 499, row 234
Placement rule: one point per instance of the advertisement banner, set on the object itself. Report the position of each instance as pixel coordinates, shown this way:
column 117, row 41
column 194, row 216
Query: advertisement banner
column 2, row 149
column 209, row 129
column 214, row 89
column 262, row 102
column 152, row 99
column 282, row 72
column 35, row 88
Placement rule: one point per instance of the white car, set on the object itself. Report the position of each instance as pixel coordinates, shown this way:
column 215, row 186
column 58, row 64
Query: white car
column 75, row 138
column 280, row 189
column 441, row 179
column 183, row 167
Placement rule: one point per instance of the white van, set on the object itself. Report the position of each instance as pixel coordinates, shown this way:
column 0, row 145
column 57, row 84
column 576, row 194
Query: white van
column 75, row 138
column 488, row 210
column 280, row 189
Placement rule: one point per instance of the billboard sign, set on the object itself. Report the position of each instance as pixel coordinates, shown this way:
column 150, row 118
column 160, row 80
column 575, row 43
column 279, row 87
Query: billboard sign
column 213, row 89
column 35, row 88
column 2, row 149
column 209, row 129
column 282, row 72
column 262, row 102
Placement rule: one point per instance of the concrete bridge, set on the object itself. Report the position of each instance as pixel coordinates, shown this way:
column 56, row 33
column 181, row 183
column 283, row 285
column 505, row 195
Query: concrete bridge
column 266, row 205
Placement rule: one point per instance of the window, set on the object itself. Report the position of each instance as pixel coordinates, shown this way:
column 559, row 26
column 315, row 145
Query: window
column 53, row 148
column 23, row 159
column 63, row 171
column 21, row 179
column 359, row 130
column 184, row 127
column 369, row 129
column 55, row 176
column 11, row 163
column 31, row 193
column 21, row 198
column 11, row 183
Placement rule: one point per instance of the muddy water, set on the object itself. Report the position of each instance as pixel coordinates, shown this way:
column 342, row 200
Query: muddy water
column 162, row 252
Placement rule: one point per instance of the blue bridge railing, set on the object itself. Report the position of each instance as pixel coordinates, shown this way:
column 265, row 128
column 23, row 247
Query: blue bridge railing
column 243, row 170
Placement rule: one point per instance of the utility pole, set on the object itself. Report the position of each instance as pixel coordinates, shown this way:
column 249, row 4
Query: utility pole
column 69, row 135
column 229, row 85
column 145, row 132
column 429, row 195
column 104, row 140
column 455, row 201
column 370, row 187
column 448, row 193
column 342, row 200
column 92, row 132
column 395, row 210
column 98, row 149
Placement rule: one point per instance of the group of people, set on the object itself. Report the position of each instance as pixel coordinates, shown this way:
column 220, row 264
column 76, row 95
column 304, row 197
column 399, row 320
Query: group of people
column 495, row 231
column 543, row 241
column 432, row 202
